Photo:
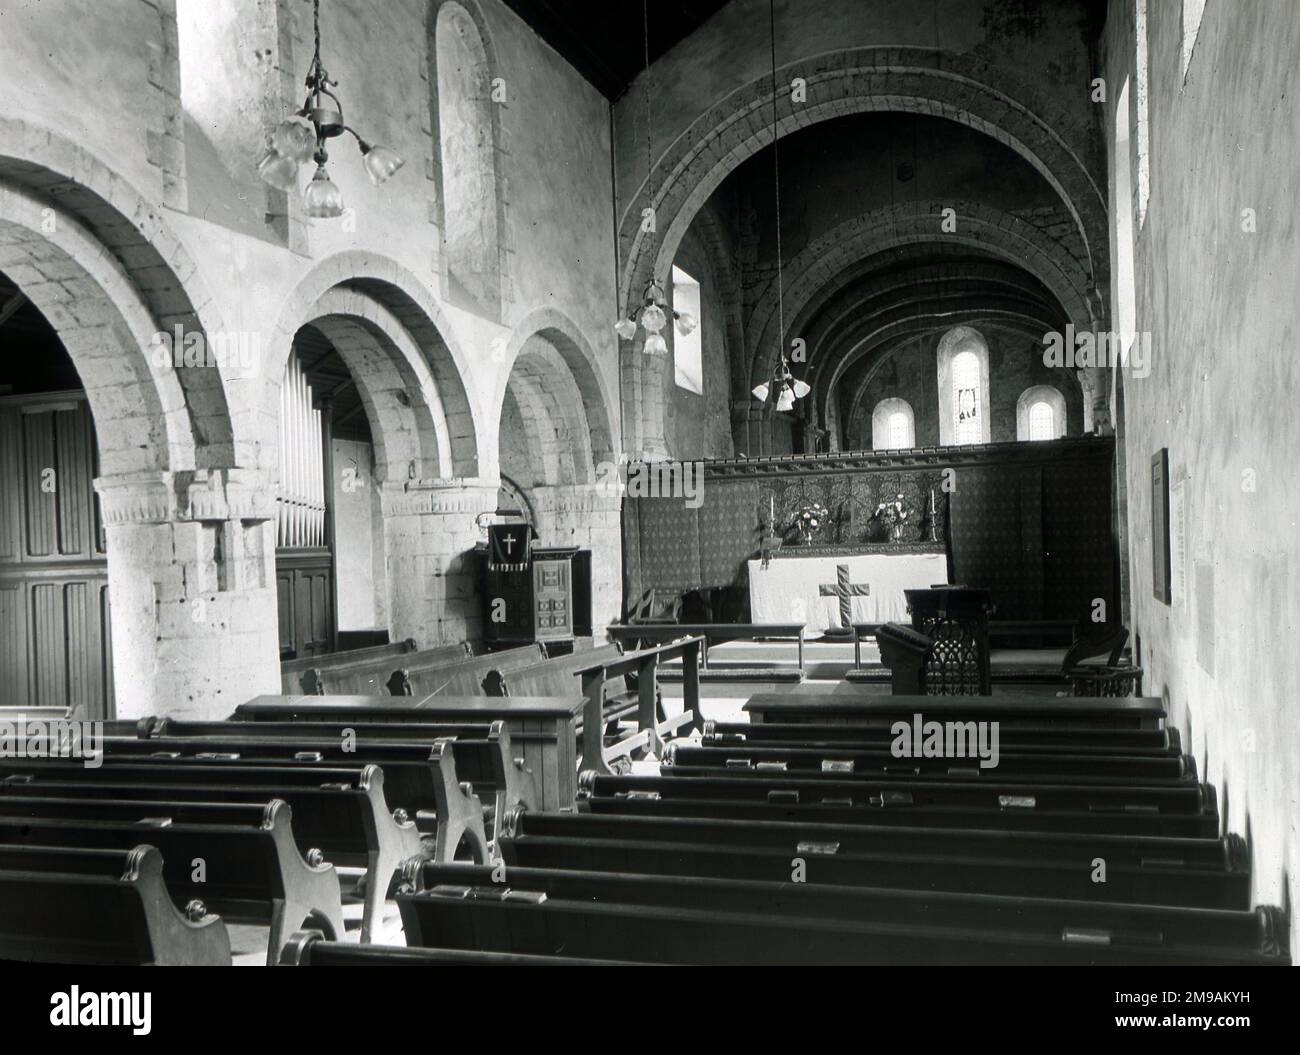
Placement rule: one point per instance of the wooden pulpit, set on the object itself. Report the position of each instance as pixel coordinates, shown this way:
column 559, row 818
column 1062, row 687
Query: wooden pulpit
column 956, row 620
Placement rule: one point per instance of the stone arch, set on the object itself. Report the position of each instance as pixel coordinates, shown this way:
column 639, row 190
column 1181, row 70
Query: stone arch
column 390, row 303
column 108, row 273
column 393, row 381
column 958, row 87
column 469, row 183
column 573, row 356
column 812, row 274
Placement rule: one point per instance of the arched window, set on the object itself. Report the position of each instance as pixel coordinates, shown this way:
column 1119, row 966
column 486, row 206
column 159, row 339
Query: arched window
column 688, row 349
column 469, row 206
column 963, row 361
column 1042, row 422
column 966, row 397
column 1040, row 414
column 893, row 425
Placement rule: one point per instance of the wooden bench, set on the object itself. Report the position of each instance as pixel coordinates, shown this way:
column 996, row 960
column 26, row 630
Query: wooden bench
column 458, row 677
column 560, row 676
column 827, row 708
column 82, row 906
column 963, row 806
column 252, row 871
column 339, row 811
column 866, row 733
column 312, row 949
column 293, row 670
column 1212, row 872
column 372, row 676
column 542, row 729
column 645, row 664
column 484, row 753
column 674, row 919
column 636, row 635
column 843, row 761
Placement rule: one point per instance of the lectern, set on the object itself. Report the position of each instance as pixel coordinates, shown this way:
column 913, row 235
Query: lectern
column 904, row 651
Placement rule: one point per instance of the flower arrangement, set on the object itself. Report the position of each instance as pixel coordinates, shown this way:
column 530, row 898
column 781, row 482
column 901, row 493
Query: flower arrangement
column 894, row 515
column 808, row 520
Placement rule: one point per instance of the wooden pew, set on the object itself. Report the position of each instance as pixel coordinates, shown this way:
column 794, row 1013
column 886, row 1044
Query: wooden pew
column 827, row 803
column 420, row 782
column 541, row 728
column 704, row 921
column 559, row 677
column 292, row 670
column 372, row 676
column 635, row 634
column 458, row 677
column 312, row 949
column 1047, row 739
column 843, row 761
column 1207, row 873
column 1064, row 712
column 81, row 906
column 338, row 811
column 484, row 753
column 252, row 870
column 644, row 663
column 994, row 795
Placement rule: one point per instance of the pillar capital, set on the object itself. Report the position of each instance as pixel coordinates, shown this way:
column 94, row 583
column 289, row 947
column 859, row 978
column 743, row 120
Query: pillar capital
column 462, row 495
column 191, row 495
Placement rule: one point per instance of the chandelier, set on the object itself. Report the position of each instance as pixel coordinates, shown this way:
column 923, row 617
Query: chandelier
column 783, row 387
column 651, row 315
column 652, row 318
column 303, row 136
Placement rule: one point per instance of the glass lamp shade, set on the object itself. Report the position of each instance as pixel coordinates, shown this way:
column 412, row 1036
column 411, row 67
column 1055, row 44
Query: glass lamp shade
column 322, row 199
column 656, row 345
column 685, row 323
column 761, row 392
column 653, row 318
column 381, row 162
column 294, row 139
column 625, row 328
column 786, row 402
column 277, row 170
column 801, row 389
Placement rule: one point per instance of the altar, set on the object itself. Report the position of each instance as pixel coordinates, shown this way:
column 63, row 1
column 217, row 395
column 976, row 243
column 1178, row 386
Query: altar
column 829, row 586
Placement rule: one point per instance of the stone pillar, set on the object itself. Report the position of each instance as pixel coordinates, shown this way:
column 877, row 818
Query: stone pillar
column 587, row 516
column 191, row 583
column 747, row 426
column 429, row 537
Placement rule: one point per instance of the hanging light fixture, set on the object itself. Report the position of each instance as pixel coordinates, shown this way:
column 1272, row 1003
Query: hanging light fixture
column 783, row 388
column 651, row 315
column 302, row 136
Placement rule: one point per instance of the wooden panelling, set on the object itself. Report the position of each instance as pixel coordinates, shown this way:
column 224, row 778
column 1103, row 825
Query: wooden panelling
column 304, row 581
column 54, row 640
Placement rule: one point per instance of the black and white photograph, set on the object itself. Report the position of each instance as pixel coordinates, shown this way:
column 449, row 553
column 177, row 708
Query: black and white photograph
column 687, row 483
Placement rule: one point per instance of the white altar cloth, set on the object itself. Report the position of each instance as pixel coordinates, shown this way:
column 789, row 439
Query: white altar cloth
column 788, row 589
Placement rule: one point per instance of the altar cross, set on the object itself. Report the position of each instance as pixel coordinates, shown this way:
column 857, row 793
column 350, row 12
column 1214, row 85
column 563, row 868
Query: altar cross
column 845, row 591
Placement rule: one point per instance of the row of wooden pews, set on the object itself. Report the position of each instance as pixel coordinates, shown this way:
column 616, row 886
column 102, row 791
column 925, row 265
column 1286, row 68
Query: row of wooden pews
column 806, row 839
column 278, row 816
